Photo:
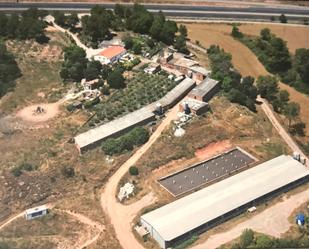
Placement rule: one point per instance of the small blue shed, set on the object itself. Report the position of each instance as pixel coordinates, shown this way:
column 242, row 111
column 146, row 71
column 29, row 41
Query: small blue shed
column 300, row 219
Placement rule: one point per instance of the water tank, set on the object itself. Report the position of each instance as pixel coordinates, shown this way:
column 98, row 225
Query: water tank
column 186, row 108
column 159, row 109
column 300, row 219
column 296, row 155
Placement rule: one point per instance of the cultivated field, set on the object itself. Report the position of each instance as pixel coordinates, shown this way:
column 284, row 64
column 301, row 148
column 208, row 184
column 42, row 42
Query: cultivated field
column 244, row 60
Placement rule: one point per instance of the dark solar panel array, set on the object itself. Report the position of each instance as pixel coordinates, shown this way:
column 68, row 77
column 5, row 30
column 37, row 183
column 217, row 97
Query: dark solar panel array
column 206, row 172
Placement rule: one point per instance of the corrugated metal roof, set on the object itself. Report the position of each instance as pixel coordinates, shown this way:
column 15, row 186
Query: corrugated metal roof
column 204, row 87
column 130, row 119
column 194, row 210
column 110, row 128
column 194, row 104
column 200, row 69
column 182, row 87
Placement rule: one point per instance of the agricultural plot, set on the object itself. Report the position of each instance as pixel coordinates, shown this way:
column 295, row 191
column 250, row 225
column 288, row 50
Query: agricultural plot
column 143, row 89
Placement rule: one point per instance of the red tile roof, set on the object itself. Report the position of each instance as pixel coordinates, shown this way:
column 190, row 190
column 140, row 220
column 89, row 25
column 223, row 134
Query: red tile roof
column 112, row 51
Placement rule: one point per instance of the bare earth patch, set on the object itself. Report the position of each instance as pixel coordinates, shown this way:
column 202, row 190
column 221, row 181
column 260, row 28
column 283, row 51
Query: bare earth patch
column 30, row 113
column 213, row 149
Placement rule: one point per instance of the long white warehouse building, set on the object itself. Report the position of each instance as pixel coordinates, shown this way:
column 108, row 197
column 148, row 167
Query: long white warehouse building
column 215, row 204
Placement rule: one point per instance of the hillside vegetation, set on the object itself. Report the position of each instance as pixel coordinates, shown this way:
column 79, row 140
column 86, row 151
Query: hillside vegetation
column 273, row 53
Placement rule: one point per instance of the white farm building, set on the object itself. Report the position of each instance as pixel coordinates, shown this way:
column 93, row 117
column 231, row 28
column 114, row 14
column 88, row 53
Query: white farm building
column 206, row 208
column 110, row 55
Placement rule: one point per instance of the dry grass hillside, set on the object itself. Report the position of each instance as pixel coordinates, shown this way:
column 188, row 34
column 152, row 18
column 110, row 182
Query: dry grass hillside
column 46, row 147
column 244, row 60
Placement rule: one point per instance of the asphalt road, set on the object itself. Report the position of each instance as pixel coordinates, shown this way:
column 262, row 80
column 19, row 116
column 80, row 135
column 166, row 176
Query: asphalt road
column 187, row 11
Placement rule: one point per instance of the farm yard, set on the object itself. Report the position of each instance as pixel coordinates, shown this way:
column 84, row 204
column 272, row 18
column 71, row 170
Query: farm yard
column 143, row 89
column 230, row 123
column 41, row 136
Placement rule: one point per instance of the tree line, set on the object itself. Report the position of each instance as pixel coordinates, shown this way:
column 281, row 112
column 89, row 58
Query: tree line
column 97, row 26
column 249, row 239
column 66, row 21
column 237, row 89
column 28, row 25
column 268, row 88
column 273, row 53
column 9, row 70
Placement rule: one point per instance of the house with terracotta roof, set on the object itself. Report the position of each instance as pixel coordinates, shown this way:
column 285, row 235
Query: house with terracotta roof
column 110, row 55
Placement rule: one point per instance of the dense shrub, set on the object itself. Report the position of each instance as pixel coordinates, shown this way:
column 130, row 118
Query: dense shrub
column 238, row 90
column 9, row 70
column 24, row 166
column 126, row 142
column 28, row 25
column 271, row 50
column 68, row 172
column 133, row 171
column 70, row 108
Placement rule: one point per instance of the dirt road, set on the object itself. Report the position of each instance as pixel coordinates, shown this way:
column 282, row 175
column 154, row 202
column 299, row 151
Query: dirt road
column 121, row 216
column 89, row 51
column 98, row 227
column 273, row 221
column 282, row 132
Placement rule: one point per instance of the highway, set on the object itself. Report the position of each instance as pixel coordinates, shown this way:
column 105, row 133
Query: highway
column 177, row 10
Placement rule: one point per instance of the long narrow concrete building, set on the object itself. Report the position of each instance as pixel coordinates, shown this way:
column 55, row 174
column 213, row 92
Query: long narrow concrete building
column 215, row 204
column 96, row 136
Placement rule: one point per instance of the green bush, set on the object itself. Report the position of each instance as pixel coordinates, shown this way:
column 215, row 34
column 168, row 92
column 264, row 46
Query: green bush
column 133, row 171
column 91, row 103
column 68, row 172
column 246, row 238
column 126, row 142
column 70, row 108
column 24, row 166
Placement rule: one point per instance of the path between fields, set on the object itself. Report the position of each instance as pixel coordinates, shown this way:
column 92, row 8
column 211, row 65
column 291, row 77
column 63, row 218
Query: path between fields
column 80, row 217
column 121, row 216
column 273, row 221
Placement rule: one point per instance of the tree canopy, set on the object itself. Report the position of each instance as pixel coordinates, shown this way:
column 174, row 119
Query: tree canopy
column 115, row 79
column 28, row 25
column 74, row 63
column 9, row 70
column 238, row 90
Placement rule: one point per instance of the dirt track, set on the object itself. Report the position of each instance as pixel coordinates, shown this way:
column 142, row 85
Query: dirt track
column 121, row 216
column 83, row 241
